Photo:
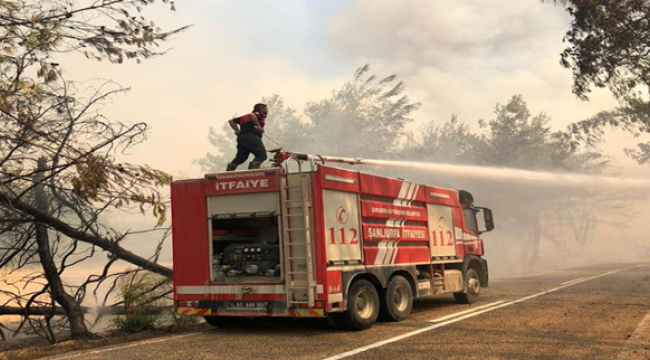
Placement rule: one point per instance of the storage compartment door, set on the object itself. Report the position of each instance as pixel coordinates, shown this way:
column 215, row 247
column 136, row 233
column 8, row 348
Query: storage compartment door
column 441, row 227
column 341, row 213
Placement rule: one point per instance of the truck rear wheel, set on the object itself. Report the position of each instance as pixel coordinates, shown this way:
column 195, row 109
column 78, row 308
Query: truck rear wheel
column 397, row 299
column 227, row 321
column 363, row 307
column 472, row 288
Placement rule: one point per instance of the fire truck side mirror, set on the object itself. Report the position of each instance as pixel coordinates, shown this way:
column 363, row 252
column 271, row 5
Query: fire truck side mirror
column 489, row 220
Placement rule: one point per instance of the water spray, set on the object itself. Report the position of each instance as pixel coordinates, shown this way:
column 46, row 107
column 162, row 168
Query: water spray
column 480, row 172
column 508, row 174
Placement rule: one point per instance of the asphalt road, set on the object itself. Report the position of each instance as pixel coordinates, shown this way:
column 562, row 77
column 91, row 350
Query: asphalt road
column 600, row 312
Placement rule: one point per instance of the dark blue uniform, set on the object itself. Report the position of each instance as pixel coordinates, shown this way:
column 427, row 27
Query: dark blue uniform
column 249, row 141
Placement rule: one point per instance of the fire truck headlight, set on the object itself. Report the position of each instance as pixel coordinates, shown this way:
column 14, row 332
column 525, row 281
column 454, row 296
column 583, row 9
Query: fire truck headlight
column 270, row 272
column 252, row 269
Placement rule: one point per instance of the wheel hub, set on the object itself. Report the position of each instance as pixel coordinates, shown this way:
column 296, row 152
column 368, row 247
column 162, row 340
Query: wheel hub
column 400, row 298
column 364, row 305
column 473, row 285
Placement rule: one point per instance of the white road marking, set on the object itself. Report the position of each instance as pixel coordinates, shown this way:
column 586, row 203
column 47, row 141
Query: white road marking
column 467, row 316
column 572, row 281
column 641, row 334
column 451, row 316
column 126, row 346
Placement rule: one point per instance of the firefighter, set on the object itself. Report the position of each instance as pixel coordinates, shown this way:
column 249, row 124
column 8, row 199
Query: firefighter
column 249, row 129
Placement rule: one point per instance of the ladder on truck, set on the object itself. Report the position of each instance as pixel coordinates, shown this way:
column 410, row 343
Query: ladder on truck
column 296, row 225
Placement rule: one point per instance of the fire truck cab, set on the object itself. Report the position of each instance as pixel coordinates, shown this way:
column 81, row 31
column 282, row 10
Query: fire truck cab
column 321, row 241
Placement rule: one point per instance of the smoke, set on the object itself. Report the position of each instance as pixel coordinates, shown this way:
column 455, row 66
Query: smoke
column 518, row 175
column 544, row 220
column 462, row 56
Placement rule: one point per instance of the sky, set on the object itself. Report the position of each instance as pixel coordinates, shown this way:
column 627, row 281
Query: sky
column 458, row 57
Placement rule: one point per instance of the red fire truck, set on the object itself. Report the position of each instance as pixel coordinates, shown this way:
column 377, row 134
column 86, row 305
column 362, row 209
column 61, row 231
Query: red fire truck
column 320, row 241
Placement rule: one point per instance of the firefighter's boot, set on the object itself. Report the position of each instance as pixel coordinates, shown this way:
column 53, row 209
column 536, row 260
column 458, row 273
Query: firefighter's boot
column 231, row 167
column 254, row 165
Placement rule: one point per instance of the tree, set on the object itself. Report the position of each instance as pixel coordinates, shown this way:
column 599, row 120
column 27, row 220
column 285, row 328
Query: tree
column 449, row 142
column 610, row 43
column 59, row 176
column 610, row 47
column 365, row 117
column 514, row 138
column 517, row 139
column 58, row 171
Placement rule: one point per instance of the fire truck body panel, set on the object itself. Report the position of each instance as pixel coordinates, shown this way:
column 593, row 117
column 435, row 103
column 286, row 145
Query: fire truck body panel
column 267, row 243
column 190, row 227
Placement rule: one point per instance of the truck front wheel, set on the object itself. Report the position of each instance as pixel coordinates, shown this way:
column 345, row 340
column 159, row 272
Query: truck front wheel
column 472, row 288
column 363, row 307
column 397, row 299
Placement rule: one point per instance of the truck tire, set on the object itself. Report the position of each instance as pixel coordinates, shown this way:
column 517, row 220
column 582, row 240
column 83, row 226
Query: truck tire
column 363, row 307
column 227, row 321
column 472, row 288
column 397, row 299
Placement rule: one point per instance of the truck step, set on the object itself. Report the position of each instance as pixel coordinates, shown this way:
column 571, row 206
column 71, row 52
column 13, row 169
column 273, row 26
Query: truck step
column 298, row 206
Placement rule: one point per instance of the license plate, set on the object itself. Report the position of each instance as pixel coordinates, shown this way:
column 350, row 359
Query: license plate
column 248, row 305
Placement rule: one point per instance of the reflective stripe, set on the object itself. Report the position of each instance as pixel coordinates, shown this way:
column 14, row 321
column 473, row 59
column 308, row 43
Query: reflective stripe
column 193, row 311
column 305, row 312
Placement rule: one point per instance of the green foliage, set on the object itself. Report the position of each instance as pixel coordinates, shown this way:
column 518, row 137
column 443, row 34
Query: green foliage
column 517, row 139
column 139, row 293
column 632, row 117
column 513, row 138
column 610, row 42
column 610, row 47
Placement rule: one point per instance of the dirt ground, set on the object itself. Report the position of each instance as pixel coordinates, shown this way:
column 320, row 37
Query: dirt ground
column 36, row 348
